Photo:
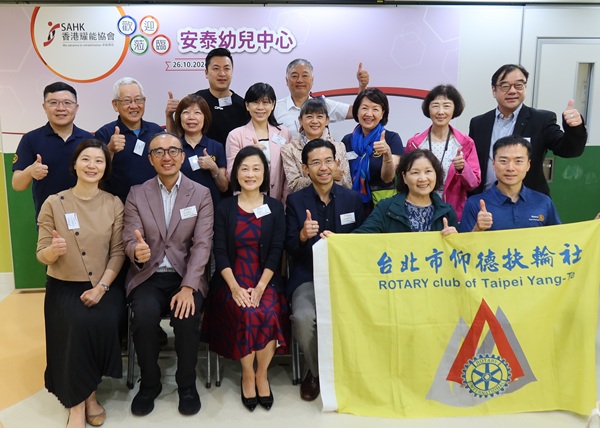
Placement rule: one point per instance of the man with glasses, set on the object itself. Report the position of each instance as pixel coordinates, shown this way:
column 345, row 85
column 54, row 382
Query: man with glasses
column 311, row 213
column 128, row 138
column 299, row 79
column 167, row 234
column 44, row 154
column 539, row 127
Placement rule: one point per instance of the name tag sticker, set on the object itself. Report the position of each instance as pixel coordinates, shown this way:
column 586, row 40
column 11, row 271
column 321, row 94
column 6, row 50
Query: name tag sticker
column 351, row 155
column 188, row 212
column 139, row 147
column 225, row 101
column 72, row 221
column 347, row 218
column 194, row 163
column 262, row 211
column 278, row 139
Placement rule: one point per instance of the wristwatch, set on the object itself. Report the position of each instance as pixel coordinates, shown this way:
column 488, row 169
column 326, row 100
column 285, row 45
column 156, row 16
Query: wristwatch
column 103, row 285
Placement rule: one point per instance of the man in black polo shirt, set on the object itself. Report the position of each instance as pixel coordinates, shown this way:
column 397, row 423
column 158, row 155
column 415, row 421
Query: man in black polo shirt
column 227, row 108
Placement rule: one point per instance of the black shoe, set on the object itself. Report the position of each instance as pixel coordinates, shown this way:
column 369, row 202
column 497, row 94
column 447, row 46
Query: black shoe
column 249, row 403
column 189, row 400
column 309, row 388
column 266, row 402
column 143, row 402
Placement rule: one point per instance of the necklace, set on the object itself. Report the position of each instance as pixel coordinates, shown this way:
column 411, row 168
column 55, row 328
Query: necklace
column 445, row 147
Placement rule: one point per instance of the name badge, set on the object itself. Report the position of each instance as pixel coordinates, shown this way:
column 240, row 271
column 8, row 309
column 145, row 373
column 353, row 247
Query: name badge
column 351, row 155
column 72, row 221
column 262, row 211
column 278, row 139
column 139, row 147
column 347, row 218
column 225, row 101
column 194, row 163
column 188, row 212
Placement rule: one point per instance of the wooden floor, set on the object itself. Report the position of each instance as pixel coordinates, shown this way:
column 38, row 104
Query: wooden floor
column 25, row 403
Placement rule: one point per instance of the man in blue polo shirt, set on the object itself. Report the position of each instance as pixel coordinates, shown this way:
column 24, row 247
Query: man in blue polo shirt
column 509, row 204
column 43, row 155
column 128, row 138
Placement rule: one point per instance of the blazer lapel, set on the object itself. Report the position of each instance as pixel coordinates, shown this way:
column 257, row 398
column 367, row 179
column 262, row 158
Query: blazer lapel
column 184, row 194
column 155, row 204
column 522, row 120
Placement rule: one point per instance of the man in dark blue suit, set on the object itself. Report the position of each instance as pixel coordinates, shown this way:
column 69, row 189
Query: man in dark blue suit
column 312, row 213
column 512, row 117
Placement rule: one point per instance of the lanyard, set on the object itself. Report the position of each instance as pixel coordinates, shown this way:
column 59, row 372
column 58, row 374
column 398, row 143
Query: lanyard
column 445, row 147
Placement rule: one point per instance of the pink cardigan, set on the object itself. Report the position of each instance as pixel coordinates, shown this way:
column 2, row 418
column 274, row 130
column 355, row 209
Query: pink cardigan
column 242, row 137
column 457, row 184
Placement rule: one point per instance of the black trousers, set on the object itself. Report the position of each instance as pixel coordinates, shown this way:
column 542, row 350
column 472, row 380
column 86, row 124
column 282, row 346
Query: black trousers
column 150, row 301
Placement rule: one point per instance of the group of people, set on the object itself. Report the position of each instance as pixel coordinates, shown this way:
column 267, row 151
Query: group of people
column 216, row 183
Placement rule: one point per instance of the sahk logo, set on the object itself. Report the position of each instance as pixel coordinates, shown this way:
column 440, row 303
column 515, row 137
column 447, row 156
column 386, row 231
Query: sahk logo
column 51, row 33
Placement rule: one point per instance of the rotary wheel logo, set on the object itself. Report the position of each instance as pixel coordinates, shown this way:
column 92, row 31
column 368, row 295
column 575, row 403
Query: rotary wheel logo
column 486, row 375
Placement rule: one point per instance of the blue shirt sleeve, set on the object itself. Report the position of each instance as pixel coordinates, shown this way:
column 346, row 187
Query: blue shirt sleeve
column 469, row 217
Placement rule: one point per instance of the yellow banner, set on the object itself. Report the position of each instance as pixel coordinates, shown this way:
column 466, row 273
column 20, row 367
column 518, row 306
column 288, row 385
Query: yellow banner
column 416, row 325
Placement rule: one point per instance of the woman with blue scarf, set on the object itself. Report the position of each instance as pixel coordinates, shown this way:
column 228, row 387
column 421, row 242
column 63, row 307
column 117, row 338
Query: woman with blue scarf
column 373, row 152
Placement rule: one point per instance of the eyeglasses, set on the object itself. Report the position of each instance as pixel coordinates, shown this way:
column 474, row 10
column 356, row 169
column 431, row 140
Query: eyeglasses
column 505, row 87
column 159, row 152
column 65, row 103
column 318, row 163
column 140, row 101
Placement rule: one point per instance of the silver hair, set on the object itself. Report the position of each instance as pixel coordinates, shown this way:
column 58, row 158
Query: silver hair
column 125, row 81
column 298, row 61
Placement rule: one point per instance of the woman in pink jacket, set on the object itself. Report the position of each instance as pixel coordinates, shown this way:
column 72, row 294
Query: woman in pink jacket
column 455, row 150
column 263, row 131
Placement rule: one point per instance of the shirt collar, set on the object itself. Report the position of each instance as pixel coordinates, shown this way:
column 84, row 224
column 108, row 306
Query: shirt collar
column 513, row 115
column 161, row 186
column 501, row 198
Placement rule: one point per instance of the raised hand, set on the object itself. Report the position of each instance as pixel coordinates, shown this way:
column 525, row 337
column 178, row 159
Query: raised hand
column 59, row 245
column 172, row 104
column 142, row 250
column 381, row 147
column 207, row 162
column 447, row 230
column 459, row 161
column 310, row 229
column 363, row 78
column 571, row 115
column 484, row 218
column 117, row 141
column 37, row 169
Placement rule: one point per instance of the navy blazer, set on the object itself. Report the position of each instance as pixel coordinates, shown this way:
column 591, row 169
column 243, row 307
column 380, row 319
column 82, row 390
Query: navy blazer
column 541, row 128
column 272, row 235
column 346, row 201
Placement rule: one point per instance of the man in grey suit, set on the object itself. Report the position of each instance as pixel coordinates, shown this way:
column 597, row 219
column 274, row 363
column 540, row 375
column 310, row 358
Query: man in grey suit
column 167, row 233
column 539, row 127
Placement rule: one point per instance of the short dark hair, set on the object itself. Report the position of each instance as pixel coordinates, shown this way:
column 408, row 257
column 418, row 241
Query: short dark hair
column 161, row 134
column 59, row 86
column 447, row 91
column 505, row 69
column 94, row 143
column 512, row 140
column 316, row 144
column 239, row 158
column 406, row 163
column 188, row 101
column 217, row 52
column 257, row 92
column 376, row 96
column 314, row 105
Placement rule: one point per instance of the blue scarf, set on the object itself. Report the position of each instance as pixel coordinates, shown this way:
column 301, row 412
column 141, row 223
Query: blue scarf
column 363, row 147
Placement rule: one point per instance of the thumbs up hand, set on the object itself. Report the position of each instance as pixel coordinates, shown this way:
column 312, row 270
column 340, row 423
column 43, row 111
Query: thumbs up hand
column 142, row 250
column 484, row 218
column 381, row 148
column 207, row 162
column 363, row 78
column 571, row 115
column 459, row 161
column 117, row 141
column 447, row 230
column 172, row 104
column 37, row 169
column 310, row 229
column 59, row 245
